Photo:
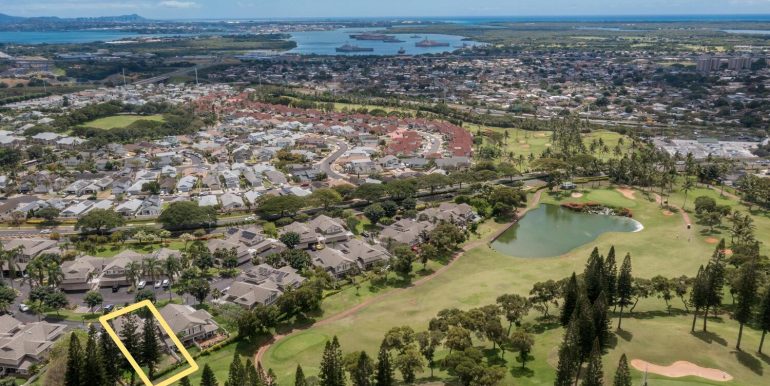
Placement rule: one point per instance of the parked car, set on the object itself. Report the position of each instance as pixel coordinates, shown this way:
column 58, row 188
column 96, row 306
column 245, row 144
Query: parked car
column 23, row 307
column 141, row 285
column 108, row 308
column 115, row 288
column 45, row 232
column 157, row 284
column 165, row 283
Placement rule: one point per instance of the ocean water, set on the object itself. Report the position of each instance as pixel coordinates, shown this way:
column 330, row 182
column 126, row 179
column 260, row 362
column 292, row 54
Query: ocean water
column 61, row 37
column 326, row 42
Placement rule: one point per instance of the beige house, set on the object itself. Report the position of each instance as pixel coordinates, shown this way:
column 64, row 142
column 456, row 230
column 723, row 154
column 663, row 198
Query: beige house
column 188, row 323
column 249, row 295
column 23, row 345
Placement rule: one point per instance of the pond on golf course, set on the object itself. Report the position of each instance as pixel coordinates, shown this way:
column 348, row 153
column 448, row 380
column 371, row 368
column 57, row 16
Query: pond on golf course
column 551, row 230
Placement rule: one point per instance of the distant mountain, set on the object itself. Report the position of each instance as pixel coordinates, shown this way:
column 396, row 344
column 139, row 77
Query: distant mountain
column 7, row 19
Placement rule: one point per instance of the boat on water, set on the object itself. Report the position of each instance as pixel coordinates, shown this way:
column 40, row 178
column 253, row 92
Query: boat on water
column 430, row 43
column 401, row 51
column 416, row 37
column 353, row 48
column 392, row 39
column 375, row 37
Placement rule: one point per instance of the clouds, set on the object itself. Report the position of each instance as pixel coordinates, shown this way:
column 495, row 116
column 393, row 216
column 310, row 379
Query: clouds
column 179, row 4
column 260, row 9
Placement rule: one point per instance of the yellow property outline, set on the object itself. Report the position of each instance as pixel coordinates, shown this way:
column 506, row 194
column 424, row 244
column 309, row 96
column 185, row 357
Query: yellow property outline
column 146, row 303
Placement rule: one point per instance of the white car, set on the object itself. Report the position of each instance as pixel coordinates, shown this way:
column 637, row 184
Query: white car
column 165, row 283
column 23, row 307
column 45, row 232
column 141, row 285
column 157, row 284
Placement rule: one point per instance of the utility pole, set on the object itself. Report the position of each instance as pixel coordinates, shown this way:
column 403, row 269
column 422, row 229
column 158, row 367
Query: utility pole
column 124, row 78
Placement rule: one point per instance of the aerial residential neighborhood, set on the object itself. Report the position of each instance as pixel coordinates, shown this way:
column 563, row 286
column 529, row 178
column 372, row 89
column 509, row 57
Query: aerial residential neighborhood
column 336, row 193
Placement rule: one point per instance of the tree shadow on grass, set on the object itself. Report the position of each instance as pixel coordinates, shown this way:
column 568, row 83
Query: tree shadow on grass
column 522, row 372
column 625, row 335
column 749, row 361
column 764, row 357
column 545, row 325
column 709, row 337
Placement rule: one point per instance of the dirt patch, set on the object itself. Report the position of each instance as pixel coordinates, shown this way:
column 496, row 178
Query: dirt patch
column 577, row 195
column 728, row 252
column 627, row 193
column 682, row 369
column 712, row 240
column 525, row 146
column 668, row 213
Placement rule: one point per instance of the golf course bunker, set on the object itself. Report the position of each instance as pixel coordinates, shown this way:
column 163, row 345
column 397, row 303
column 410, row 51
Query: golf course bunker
column 551, row 230
column 682, row 369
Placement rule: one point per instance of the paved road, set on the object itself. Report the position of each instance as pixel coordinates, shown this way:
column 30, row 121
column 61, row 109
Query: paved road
column 326, row 164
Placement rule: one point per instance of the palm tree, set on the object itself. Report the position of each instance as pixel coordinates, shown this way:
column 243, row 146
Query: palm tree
column 54, row 273
column 36, row 271
column 686, row 188
column 171, row 266
column 151, row 267
column 133, row 270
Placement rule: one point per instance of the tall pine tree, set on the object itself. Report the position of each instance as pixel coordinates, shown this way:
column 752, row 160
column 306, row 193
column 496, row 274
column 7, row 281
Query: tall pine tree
column 384, row 376
column 601, row 321
column 299, row 377
column 93, row 373
column 571, row 295
column 73, row 373
column 237, row 375
column 746, row 296
column 150, row 347
column 623, row 373
column 763, row 319
column 715, row 281
column 363, row 371
column 184, row 382
column 252, row 378
column 625, row 289
column 207, row 376
column 698, row 295
column 594, row 373
column 610, row 277
column 108, row 352
column 569, row 351
column 593, row 276
column 332, row 368
column 130, row 339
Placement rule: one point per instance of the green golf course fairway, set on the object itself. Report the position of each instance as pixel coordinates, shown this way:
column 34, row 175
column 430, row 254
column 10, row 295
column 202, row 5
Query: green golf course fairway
column 664, row 247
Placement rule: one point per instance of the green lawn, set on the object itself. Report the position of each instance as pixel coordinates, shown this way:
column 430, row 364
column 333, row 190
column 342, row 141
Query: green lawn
column 482, row 274
column 525, row 142
column 118, row 121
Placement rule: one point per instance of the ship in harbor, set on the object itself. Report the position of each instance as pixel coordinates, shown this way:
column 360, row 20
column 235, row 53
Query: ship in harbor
column 352, row 48
column 416, row 37
column 401, row 51
column 376, row 37
column 430, row 43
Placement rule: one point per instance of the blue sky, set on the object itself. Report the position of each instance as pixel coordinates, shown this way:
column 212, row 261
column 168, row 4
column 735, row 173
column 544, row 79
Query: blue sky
column 183, row 9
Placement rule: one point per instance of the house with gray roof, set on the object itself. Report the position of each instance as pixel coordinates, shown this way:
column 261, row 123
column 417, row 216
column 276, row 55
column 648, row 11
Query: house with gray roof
column 23, row 345
column 189, row 324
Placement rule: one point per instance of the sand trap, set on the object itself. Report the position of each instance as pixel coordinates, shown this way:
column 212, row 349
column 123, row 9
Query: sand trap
column 712, row 240
column 682, row 369
column 728, row 252
column 577, row 195
column 668, row 213
column 627, row 193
